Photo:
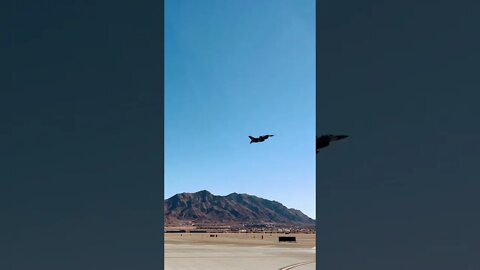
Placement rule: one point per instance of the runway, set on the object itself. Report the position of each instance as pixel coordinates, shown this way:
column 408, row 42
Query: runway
column 234, row 253
column 295, row 265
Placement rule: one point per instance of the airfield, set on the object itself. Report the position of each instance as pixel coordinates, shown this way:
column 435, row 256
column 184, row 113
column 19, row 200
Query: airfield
column 238, row 251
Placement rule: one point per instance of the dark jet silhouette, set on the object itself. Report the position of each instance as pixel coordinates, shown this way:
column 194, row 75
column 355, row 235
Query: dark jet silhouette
column 325, row 140
column 259, row 139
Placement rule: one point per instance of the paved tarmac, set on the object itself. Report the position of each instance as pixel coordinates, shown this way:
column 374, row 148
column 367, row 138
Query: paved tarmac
column 199, row 252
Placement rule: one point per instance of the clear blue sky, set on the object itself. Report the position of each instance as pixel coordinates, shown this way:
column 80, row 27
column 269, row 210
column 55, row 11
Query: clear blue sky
column 235, row 68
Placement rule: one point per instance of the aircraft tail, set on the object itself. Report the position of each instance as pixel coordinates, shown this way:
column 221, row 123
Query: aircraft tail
column 251, row 139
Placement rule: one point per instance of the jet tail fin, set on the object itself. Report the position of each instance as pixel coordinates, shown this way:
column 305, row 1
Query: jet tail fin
column 251, row 138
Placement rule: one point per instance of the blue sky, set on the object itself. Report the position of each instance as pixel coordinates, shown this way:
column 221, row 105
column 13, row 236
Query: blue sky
column 235, row 68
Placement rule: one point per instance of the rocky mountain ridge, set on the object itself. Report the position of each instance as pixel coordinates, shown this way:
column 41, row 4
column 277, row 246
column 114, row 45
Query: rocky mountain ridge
column 206, row 208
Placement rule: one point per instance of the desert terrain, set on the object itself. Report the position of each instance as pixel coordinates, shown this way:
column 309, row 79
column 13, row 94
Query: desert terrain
column 238, row 251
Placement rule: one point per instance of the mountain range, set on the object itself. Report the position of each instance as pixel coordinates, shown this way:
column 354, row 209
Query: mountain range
column 204, row 207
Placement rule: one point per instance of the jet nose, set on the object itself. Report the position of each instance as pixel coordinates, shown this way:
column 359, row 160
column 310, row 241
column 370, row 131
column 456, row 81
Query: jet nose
column 339, row 137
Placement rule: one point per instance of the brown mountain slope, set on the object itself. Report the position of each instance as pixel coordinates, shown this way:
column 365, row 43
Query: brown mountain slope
column 204, row 207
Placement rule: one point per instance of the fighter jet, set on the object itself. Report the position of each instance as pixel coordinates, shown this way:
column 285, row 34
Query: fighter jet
column 259, row 139
column 325, row 140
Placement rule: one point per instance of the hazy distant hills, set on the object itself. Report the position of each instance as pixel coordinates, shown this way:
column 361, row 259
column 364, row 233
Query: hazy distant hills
column 204, row 207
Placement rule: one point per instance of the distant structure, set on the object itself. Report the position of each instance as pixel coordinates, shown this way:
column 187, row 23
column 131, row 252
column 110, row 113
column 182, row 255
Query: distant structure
column 325, row 140
column 259, row 139
column 175, row 231
column 287, row 239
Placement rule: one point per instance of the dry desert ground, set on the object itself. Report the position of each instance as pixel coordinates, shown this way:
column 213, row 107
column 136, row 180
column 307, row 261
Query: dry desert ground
column 238, row 251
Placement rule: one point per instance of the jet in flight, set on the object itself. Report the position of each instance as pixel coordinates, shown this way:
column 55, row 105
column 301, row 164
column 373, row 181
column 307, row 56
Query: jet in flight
column 259, row 139
column 325, row 140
